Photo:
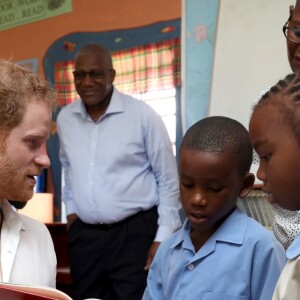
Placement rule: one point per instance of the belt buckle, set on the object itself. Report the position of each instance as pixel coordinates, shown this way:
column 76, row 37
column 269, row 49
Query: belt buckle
column 104, row 225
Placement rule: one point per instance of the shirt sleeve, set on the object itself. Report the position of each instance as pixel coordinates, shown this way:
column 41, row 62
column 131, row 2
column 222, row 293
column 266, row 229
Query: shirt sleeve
column 272, row 258
column 164, row 166
column 53, row 260
column 287, row 287
column 66, row 186
column 154, row 289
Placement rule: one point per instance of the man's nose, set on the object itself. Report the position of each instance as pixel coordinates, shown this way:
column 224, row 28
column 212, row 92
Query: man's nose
column 87, row 80
column 42, row 158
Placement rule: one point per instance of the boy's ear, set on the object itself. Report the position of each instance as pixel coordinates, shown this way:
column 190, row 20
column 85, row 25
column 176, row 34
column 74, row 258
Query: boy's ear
column 248, row 183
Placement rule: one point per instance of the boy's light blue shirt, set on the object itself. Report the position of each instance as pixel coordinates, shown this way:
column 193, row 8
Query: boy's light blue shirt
column 242, row 260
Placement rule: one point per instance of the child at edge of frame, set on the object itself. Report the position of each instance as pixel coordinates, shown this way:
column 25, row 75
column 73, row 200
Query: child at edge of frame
column 274, row 133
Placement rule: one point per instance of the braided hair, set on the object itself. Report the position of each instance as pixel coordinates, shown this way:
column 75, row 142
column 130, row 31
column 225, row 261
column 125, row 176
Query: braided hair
column 285, row 96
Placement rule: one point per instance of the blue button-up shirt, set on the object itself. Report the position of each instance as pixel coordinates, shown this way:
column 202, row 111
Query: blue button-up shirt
column 119, row 165
column 241, row 261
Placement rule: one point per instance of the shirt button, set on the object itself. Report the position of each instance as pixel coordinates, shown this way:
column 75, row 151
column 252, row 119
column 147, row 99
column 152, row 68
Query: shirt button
column 191, row 267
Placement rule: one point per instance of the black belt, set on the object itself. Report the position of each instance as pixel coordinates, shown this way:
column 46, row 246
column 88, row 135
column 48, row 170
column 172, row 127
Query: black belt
column 104, row 226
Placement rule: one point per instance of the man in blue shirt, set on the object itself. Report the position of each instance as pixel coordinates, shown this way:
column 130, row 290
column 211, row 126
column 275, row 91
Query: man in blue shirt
column 121, row 183
column 219, row 253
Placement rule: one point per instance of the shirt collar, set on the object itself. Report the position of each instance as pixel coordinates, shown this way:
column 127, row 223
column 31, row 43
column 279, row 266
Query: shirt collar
column 11, row 217
column 231, row 231
column 116, row 105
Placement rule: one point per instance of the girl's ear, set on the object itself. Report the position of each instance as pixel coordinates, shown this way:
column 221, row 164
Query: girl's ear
column 248, row 183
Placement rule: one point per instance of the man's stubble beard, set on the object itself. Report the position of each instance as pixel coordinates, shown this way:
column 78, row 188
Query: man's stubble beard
column 12, row 181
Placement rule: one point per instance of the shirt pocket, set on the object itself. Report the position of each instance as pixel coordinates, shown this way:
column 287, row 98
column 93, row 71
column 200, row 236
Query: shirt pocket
column 221, row 296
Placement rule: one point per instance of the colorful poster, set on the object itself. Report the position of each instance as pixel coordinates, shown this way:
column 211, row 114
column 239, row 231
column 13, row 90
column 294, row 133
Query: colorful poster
column 19, row 12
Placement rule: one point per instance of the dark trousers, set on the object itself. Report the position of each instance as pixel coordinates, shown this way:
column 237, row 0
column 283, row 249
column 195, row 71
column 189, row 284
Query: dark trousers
column 107, row 262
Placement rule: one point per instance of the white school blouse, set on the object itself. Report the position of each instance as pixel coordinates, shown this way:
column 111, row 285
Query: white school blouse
column 288, row 285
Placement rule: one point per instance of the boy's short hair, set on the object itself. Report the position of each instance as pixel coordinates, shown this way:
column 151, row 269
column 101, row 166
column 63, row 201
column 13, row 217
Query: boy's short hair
column 221, row 136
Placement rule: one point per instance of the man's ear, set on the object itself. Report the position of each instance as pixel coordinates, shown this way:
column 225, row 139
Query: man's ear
column 248, row 183
column 112, row 74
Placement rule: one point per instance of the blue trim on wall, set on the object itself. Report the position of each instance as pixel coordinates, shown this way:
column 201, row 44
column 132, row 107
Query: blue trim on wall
column 201, row 25
column 53, row 153
column 113, row 40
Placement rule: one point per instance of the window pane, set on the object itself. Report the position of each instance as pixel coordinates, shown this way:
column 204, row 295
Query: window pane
column 164, row 103
column 170, row 122
column 163, row 107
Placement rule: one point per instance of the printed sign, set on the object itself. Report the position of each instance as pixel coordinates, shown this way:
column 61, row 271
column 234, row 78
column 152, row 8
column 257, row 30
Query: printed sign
column 19, row 12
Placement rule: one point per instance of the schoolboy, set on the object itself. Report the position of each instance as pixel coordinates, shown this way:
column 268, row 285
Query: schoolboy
column 219, row 253
column 275, row 134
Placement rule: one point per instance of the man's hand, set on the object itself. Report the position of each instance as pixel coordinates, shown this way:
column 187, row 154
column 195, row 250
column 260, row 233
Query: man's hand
column 70, row 219
column 151, row 254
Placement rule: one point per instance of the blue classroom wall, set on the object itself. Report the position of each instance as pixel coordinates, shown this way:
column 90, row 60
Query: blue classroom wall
column 199, row 36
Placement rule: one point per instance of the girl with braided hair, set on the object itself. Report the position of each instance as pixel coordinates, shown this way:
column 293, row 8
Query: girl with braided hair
column 275, row 135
